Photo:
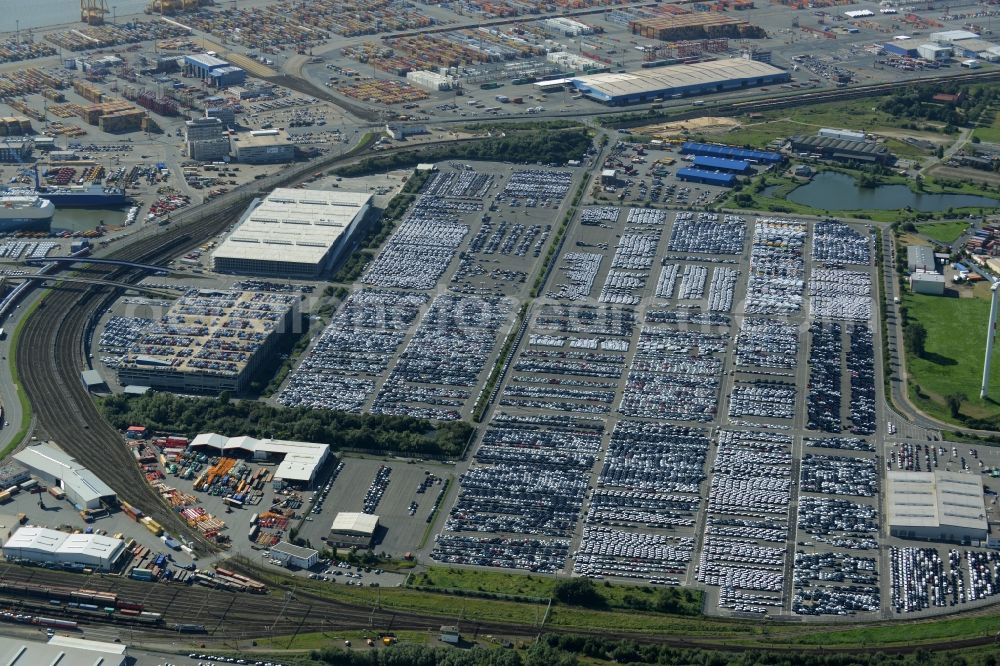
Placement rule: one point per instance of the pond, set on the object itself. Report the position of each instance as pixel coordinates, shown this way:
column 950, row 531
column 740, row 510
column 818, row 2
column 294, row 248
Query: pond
column 831, row 190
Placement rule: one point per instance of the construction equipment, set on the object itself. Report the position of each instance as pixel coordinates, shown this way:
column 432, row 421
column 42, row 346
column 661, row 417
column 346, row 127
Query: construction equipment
column 92, row 12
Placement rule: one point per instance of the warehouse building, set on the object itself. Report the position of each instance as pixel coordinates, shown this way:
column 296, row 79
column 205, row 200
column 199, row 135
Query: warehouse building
column 936, row 506
column 300, row 461
column 951, row 36
column 927, row 282
column 975, row 48
column 61, row 650
column 431, row 80
column 55, row 467
column 292, row 233
column 707, row 163
column 841, row 150
column 920, row 258
column 14, row 150
column 263, row 147
column 195, row 346
column 294, row 557
column 215, row 71
column 700, row 78
column 705, row 177
column 730, row 153
column 352, row 529
column 903, row 48
column 935, row 52
column 845, row 134
column 40, row 545
column 12, row 473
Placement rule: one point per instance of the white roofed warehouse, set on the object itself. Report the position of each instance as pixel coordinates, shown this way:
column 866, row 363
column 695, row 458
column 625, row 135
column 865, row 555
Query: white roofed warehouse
column 55, row 467
column 299, row 460
column 351, row 529
column 44, row 546
column 936, row 506
column 678, row 81
column 292, row 234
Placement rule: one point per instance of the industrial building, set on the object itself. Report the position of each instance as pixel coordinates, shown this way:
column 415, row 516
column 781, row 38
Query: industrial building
column 61, row 650
column 300, row 461
column 206, row 139
column 431, row 80
column 294, row 557
column 975, row 48
column 12, row 473
column 705, row 177
column 920, row 258
column 844, row 134
column 40, row 545
column 352, row 529
column 903, row 48
column 707, row 163
column 841, row 150
column 951, row 36
column 55, row 467
column 210, row 341
column 224, row 113
column 730, row 153
column 292, row 233
column 927, row 282
column 14, row 150
column 263, row 147
column 935, row 52
column 400, row 132
column 936, row 506
column 216, row 71
column 700, row 78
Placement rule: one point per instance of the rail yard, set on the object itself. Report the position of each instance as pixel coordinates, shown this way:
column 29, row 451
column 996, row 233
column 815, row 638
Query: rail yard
column 308, row 304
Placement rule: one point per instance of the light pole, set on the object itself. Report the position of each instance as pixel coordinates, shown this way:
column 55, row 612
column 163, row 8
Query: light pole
column 114, row 14
column 991, row 334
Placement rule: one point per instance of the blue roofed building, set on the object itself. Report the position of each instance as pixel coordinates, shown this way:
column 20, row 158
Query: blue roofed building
column 692, row 175
column 730, row 153
column 721, row 164
column 217, row 71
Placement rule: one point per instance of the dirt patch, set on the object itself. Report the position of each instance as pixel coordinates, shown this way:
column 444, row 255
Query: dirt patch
column 706, row 125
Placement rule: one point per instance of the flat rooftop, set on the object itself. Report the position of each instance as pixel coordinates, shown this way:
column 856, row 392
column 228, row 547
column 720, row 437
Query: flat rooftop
column 933, row 499
column 676, row 76
column 293, row 225
column 210, row 331
column 19, row 652
column 350, row 522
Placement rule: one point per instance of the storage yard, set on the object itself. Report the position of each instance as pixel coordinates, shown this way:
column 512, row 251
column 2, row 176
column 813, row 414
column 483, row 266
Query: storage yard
column 664, row 394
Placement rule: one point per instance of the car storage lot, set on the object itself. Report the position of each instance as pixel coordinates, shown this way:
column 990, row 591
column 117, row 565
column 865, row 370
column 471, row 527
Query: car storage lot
column 670, row 361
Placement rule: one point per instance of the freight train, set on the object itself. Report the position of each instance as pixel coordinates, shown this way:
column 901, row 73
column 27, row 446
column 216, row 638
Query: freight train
column 84, row 602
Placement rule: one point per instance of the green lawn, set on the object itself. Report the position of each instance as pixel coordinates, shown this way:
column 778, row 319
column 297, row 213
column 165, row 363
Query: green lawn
column 953, row 359
column 989, row 134
column 943, row 232
column 542, row 587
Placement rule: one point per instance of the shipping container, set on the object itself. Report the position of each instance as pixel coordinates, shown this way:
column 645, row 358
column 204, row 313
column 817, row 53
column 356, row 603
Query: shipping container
column 57, row 492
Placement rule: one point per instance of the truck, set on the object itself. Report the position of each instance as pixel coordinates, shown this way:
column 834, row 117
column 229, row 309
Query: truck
column 493, row 85
column 503, row 99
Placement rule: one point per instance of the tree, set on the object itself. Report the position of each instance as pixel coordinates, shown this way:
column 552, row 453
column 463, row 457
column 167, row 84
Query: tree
column 940, row 152
column 954, row 402
column 915, row 335
column 579, row 592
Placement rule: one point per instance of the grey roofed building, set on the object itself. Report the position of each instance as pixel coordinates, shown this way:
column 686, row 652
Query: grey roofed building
column 61, row 650
column 920, row 257
column 936, row 506
column 53, row 465
column 842, row 149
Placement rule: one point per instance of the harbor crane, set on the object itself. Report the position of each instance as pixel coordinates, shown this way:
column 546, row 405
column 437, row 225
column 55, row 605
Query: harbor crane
column 92, row 12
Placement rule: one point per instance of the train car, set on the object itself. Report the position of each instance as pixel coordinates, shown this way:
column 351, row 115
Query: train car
column 128, row 605
column 54, row 622
column 189, row 628
column 132, row 612
column 151, row 617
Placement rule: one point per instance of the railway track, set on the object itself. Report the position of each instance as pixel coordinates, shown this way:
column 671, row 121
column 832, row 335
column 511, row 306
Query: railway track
column 234, row 615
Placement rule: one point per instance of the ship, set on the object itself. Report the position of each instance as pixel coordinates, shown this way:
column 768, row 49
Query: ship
column 76, row 196
column 85, row 196
column 25, row 212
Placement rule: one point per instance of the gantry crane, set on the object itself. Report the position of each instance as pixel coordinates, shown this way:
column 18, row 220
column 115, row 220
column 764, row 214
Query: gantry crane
column 92, row 12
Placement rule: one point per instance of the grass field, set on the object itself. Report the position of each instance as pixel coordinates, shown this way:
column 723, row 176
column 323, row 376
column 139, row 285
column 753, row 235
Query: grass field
column 953, row 359
column 22, row 397
column 542, row 587
column 943, row 232
column 989, row 134
column 808, row 120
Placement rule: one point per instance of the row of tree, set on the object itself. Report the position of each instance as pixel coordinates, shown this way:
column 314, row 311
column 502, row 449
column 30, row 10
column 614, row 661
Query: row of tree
column 165, row 412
